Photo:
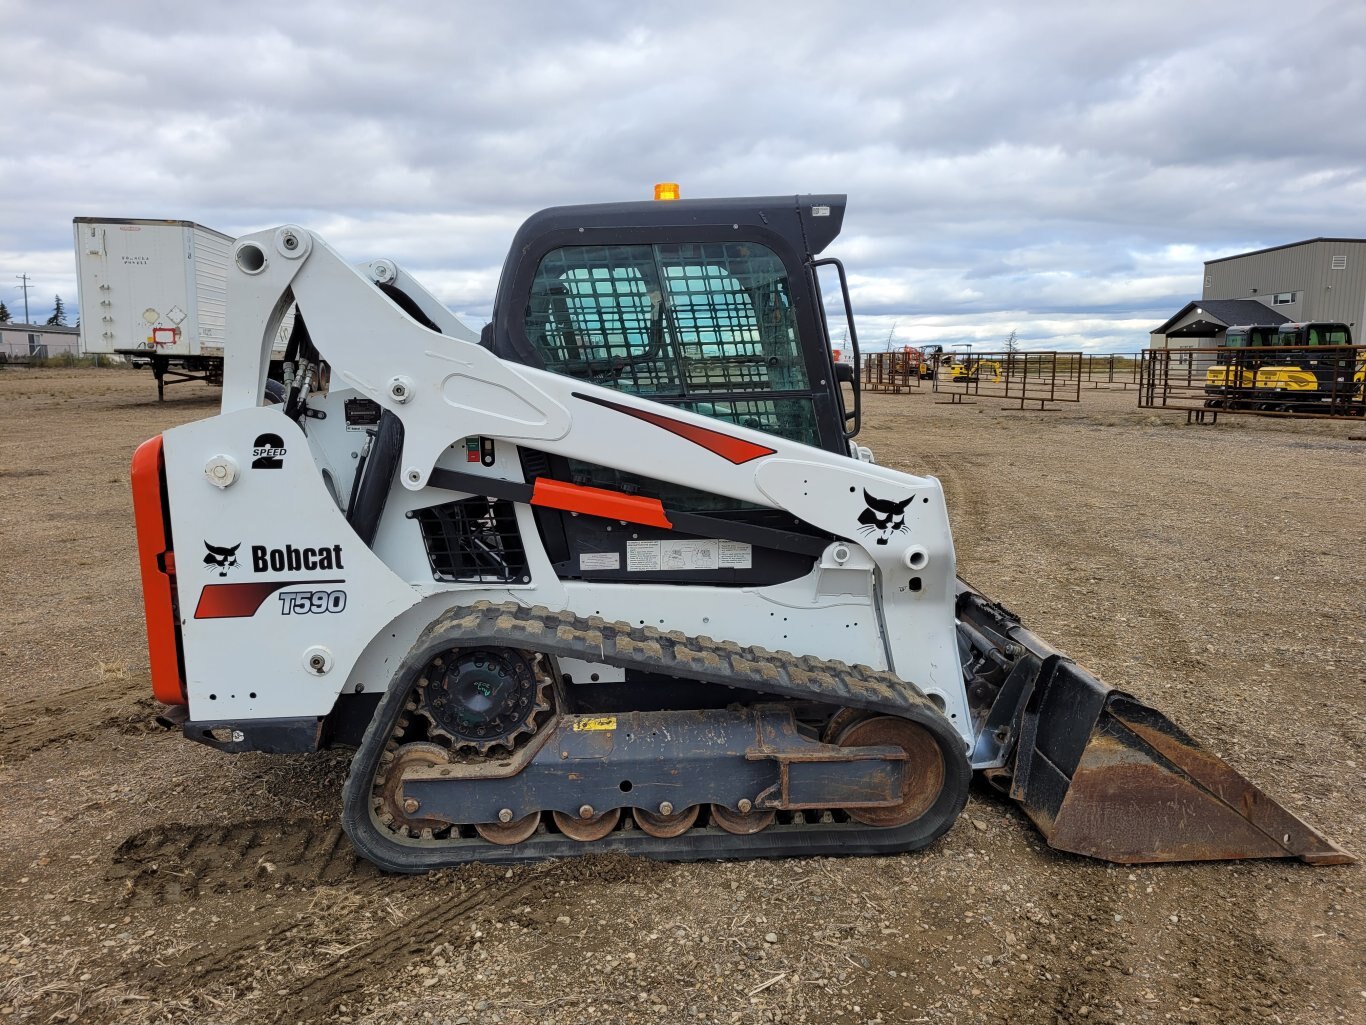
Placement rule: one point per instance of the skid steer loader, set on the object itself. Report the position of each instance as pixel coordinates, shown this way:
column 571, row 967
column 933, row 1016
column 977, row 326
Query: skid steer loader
column 615, row 576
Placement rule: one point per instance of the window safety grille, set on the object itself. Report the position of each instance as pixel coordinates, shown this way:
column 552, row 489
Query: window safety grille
column 474, row 540
column 711, row 324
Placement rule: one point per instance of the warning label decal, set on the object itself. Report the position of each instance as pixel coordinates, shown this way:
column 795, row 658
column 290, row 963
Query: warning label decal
column 599, row 560
column 648, row 556
column 602, row 722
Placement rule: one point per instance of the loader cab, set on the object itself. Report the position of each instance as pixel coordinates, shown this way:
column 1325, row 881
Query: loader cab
column 1250, row 336
column 1312, row 334
column 713, row 306
column 1312, row 370
column 1231, row 380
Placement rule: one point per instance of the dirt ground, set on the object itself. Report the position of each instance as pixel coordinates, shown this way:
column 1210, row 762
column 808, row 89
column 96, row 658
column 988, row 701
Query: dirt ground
column 1216, row 572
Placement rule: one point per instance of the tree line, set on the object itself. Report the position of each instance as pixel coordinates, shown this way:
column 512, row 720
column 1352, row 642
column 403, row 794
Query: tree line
column 58, row 318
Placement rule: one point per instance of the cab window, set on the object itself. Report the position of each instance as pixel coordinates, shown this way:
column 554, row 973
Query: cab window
column 707, row 326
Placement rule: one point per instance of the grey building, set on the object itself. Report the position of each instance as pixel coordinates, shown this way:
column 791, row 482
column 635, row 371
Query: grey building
column 1320, row 279
column 20, row 342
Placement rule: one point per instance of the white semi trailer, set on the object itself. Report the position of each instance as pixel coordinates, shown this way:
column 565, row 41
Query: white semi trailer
column 156, row 291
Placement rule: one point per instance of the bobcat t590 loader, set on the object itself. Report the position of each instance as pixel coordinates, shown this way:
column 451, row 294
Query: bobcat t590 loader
column 614, row 576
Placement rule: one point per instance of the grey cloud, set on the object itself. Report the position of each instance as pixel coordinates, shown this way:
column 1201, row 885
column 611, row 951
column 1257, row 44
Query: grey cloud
column 1050, row 162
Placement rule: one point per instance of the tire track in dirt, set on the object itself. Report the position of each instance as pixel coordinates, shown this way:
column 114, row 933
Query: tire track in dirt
column 173, row 862
column 1230, row 969
column 1071, row 981
column 185, row 864
column 494, row 896
column 75, row 715
column 395, row 948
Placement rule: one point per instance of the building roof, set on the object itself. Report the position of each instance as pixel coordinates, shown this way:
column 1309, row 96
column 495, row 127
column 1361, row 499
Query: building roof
column 1217, row 314
column 1287, row 245
column 56, row 329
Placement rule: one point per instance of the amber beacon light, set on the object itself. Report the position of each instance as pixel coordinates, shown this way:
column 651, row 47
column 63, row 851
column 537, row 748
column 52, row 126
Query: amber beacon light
column 668, row 190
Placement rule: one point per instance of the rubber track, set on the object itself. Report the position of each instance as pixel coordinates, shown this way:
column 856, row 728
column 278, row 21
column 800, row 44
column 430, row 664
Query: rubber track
column 593, row 639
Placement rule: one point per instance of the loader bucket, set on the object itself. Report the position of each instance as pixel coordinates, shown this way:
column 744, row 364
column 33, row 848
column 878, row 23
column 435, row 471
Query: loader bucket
column 1104, row 775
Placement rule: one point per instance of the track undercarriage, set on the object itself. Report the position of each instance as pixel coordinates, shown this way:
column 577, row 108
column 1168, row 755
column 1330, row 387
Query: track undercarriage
column 478, row 753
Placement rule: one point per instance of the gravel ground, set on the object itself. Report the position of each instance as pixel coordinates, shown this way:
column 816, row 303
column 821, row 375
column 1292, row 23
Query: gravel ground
column 1215, row 572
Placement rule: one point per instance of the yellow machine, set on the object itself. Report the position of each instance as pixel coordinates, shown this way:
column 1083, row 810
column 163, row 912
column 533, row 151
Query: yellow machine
column 1298, row 367
column 963, row 369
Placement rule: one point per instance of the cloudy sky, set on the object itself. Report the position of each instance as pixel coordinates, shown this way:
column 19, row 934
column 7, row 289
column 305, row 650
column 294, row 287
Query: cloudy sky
column 1060, row 170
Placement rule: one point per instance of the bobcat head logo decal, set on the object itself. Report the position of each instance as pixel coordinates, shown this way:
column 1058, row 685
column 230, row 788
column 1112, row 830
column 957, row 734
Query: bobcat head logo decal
column 221, row 559
column 882, row 517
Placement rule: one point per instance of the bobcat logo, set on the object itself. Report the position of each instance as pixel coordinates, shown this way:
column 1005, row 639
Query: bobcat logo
column 882, row 517
column 221, row 559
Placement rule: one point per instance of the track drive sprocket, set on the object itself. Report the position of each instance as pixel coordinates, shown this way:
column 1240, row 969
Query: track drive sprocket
column 479, row 699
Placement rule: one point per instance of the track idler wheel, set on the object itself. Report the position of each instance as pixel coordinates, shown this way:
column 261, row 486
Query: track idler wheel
column 742, row 823
column 924, row 779
column 397, row 811
column 667, row 824
column 587, row 828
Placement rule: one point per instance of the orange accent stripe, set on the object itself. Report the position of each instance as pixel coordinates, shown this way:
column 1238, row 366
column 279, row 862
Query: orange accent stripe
column 735, row 450
column 235, row 601
column 157, row 562
column 610, row 505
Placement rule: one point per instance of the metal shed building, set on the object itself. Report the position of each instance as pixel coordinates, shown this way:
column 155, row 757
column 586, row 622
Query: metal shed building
column 1321, row 279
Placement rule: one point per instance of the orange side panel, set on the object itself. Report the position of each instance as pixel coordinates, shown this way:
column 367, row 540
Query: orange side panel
column 610, row 505
column 158, row 573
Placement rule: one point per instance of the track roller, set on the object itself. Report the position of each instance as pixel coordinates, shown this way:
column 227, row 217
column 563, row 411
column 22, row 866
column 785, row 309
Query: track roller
column 742, row 823
column 667, row 824
column 589, row 827
column 513, row 831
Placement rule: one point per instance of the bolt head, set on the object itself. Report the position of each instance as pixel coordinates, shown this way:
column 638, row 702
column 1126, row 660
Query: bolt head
column 411, row 805
column 666, row 808
column 745, row 805
column 221, row 471
column 586, row 811
column 505, row 815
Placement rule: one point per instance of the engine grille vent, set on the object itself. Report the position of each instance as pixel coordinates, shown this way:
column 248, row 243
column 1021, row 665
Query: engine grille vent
column 474, row 540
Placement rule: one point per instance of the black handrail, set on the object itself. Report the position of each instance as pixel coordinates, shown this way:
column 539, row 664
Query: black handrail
column 856, row 416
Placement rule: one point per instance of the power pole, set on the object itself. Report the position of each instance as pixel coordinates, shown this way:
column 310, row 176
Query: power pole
column 25, row 286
